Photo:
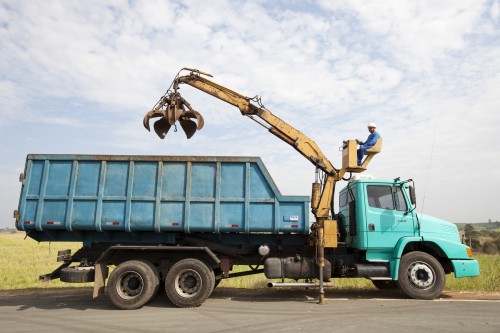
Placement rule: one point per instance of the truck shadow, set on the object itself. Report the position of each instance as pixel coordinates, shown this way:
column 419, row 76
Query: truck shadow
column 301, row 295
column 81, row 298
column 53, row 299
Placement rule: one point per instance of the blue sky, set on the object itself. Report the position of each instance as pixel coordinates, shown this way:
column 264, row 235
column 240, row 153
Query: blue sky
column 77, row 77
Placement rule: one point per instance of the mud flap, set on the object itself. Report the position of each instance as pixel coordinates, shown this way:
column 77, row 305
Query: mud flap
column 99, row 281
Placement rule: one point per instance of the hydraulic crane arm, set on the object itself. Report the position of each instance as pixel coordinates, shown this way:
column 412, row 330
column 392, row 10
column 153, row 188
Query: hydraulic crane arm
column 172, row 107
column 280, row 128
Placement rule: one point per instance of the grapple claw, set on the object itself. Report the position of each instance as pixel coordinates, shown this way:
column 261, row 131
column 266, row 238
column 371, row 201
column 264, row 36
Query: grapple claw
column 188, row 126
column 195, row 115
column 170, row 110
column 148, row 116
column 161, row 127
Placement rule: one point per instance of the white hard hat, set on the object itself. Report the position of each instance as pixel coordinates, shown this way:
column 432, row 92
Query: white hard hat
column 372, row 125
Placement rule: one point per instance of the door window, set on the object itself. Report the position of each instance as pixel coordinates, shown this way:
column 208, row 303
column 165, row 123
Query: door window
column 386, row 197
column 399, row 200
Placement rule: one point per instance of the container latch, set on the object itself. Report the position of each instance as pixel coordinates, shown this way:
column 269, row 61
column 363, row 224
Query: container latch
column 16, row 215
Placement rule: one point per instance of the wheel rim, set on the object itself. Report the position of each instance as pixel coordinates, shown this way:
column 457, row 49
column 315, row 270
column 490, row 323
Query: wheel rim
column 130, row 284
column 421, row 275
column 188, row 283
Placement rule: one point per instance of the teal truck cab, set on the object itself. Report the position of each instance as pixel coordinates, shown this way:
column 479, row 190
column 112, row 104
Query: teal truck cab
column 378, row 219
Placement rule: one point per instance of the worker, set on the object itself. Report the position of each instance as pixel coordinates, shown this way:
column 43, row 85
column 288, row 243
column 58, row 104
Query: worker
column 370, row 141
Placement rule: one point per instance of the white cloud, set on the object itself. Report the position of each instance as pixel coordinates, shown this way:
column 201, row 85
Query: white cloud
column 79, row 78
column 495, row 10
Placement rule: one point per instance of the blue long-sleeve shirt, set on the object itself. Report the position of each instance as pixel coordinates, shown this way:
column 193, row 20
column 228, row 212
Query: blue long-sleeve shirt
column 371, row 140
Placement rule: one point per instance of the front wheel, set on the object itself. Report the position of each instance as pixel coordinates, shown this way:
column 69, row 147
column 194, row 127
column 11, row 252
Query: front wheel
column 189, row 283
column 421, row 276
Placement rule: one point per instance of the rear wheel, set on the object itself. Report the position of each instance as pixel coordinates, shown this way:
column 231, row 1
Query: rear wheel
column 132, row 284
column 189, row 282
column 421, row 275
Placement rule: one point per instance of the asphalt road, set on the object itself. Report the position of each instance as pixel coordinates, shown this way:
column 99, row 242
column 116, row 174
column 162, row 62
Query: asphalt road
column 261, row 310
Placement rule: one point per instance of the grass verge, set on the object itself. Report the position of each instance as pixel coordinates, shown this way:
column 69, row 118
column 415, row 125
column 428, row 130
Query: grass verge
column 23, row 260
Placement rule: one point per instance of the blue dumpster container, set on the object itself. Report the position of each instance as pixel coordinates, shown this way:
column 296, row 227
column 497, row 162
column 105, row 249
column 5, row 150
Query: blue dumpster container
column 157, row 194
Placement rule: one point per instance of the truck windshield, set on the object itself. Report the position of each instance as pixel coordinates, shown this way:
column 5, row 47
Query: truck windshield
column 347, row 196
column 343, row 199
column 386, row 197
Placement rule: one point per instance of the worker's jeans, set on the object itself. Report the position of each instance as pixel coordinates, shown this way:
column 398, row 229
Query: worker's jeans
column 361, row 153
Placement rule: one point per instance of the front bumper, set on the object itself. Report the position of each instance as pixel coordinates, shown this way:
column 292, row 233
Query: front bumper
column 465, row 268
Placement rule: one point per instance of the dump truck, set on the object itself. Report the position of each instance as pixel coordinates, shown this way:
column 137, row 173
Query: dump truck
column 182, row 223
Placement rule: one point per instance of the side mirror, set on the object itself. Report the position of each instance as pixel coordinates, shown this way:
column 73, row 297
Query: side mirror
column 413, row 197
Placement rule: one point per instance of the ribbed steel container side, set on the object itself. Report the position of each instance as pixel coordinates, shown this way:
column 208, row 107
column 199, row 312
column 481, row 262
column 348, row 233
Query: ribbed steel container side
column 189, row 194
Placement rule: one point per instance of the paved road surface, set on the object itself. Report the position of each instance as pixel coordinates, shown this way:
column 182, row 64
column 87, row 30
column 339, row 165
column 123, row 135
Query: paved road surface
column 262, row 310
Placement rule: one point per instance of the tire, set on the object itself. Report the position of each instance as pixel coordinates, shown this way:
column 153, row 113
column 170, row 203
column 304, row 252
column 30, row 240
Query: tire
column 76, row 274
column 132, row 284
column 189, row 283
column 385, row 284
column 421, row 276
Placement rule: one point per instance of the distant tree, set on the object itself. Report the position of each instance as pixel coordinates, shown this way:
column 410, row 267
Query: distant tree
column 490, row 247
column 469, row 232
column 471, row 236
column 485, row 233
column 469, row 229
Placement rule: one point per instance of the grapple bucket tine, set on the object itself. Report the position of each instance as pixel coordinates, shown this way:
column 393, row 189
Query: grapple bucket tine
column 161, row 127
column 196, row 115
column 188, row 126
column 148, row 116
column 145, row 122
column 200, row 120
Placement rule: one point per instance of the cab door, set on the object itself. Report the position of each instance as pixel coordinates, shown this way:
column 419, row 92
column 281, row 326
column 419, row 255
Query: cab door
column 387, row 217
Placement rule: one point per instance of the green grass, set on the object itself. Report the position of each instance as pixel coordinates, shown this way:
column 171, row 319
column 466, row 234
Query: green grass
column 23, row 260
column 488, row 281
